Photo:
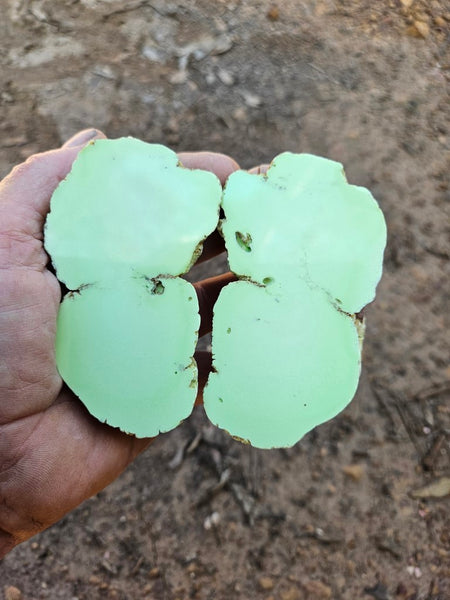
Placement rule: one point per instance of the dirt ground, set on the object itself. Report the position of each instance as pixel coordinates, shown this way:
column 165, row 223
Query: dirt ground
column 360, row 507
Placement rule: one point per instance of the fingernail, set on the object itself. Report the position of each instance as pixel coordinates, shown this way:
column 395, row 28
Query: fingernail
column 82, row 137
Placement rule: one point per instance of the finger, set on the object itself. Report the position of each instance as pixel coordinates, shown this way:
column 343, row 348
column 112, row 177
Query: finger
column 25, row 193
column 259, row 170
column 219, row 164
column 24, row 203
column 222, row 166
column 7, row 543
column 83, row 137
column 212, row 246
column 208, row 291
column 204, row 365
column 29, row 185
column 215, row 243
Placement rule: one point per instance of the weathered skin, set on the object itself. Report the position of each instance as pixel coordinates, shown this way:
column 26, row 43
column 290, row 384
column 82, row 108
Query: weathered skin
column 53, row 453
column 124, row 224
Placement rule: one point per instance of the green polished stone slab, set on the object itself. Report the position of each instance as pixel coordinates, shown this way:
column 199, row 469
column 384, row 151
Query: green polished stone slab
column 305, row 223
column 286, row 344
column 126, row 350
column 128, row 206
column 124, row 223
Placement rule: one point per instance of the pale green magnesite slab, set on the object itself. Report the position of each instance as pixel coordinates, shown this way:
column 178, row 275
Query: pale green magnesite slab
column 128, row 205
column 125, row 222
column 282, row 362
column 126, row 352
column 286, row 343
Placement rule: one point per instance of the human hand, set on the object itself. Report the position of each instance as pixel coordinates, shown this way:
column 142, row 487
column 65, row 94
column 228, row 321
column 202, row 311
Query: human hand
column 53, row 453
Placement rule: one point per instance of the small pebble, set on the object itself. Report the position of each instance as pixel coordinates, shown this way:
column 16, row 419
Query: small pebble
column 251, row 100
column 265, row 583
column 240, row 114
column 13, row 593
column 225, row 77
column 355, row 472
column 178, row 77
column 317, row 590
column 293, row 593
column 211, row 521
column 273, row 13
column 421, row 28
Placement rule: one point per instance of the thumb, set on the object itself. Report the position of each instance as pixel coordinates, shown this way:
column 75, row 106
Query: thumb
column 259, row 170
column 83, row 137
column 25, row 193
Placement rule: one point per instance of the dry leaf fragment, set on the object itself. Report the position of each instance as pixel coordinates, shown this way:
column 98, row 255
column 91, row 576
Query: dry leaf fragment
column 440, row 22
column 316, row 589
column 265, row 583
column 355, row 472
column 437, row 489
column 273, row 13
column 12, row 593
column 293, row 593
column 423, row 28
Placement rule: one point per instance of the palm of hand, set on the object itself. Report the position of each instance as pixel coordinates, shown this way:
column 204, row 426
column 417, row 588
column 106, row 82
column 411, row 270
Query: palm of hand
column 53, row 454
